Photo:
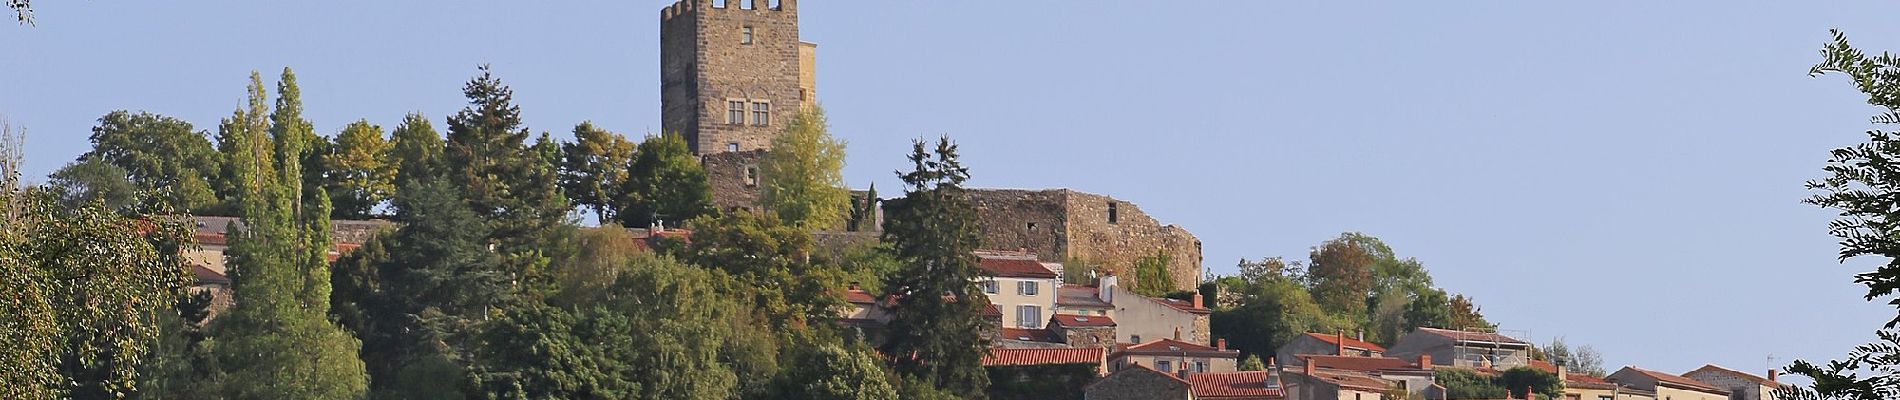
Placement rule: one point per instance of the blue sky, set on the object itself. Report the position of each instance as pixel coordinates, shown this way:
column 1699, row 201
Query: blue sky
column 1623, row 174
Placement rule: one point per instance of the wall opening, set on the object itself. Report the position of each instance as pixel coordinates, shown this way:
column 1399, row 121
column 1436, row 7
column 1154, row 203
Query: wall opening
column 732, row 147
column 1113, row 216
column 1032, row 227
column 719, row 3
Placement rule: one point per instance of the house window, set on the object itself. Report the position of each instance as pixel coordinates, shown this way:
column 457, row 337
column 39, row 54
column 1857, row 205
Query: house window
column 761, row 113
column 732, row 147
column 735, row 112
column 1163, row 366
column 1028, row 316
column 1028, row 288
column 1135, row 338
column 1111, row 213
column 751, row 175
column 745, row 35
column 1200, row 366
column 989, row 286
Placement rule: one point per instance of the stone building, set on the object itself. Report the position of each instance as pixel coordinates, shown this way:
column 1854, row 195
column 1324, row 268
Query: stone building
column 732, row 72
column 734, row 178
column 1139, row 383
column 1063, row 225
column 1741, row 385
column 1327, row 345
column 1666, row 386
column 1465, row 349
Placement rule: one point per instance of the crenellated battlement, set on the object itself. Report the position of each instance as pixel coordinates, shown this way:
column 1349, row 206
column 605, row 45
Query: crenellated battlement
column 684, row 7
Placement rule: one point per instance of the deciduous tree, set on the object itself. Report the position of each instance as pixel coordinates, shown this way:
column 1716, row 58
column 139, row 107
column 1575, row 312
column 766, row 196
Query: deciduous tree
column 666, row 183
column 802, row 178
column 594, row 169
column 89, row 180
column 159, row 154
column 358, row 171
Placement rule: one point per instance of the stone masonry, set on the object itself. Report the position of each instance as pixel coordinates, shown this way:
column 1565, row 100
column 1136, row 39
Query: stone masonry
column 732, row 72
column 734, row 178
column 1063, row 224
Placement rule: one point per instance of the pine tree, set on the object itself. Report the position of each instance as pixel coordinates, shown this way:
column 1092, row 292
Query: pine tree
column 416, row 150
column 666, row 183
column 277, row 341
column 803, row 178
column 505, row 181
column 936, row 333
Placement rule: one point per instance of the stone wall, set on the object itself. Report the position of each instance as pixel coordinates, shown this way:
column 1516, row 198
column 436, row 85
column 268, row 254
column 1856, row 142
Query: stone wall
column 1139, row 384
column 705, row 62
column 1087, row 336
column 734, row 178
column 1062, row 224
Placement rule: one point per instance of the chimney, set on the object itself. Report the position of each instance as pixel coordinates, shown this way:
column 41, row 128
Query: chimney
column 1563, row 374
column 1105, row 287
column 1773, row 375
column 1177, row 333
column 1309, row 367
column 1183, row 373
column 1221, row 344
column 1342, row 343
column 1197, row 300
column 1425, row 361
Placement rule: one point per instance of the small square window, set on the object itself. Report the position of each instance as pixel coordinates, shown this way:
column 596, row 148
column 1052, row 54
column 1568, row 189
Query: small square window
column 745, row 35
column 732, row 147
column 989, row 286
column 1028, row 288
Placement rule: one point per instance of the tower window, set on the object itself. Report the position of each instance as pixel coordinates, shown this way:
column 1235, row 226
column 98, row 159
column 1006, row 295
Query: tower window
column 751, row 175
column 1111, row 213
column 1032, row 227
column 735, row 112
column 732, row 147
column 745, row 35
column 761, row 113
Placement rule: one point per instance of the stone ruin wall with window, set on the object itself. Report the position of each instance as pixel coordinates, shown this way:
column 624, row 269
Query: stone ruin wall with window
column 734, row 178
column 1060, row 224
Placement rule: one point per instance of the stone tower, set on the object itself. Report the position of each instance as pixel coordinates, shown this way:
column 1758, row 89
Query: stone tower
column 732, row 72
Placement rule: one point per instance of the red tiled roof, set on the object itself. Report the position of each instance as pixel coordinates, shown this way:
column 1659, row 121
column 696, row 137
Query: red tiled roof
column 1030, row 335
column 1080, row 296
column 1666, row 379
column 1182, row 305
column 1361, row 364
column 1350, row 380
column 1350, row 342
column 1739, row 374
column 208, row 277
column 1473, row 336
column 1245, row 385
column 1084, row 355
column 858, row 296
column 1012, row 266
column 1077, row 321
column 1174, row 347
column 991, row 310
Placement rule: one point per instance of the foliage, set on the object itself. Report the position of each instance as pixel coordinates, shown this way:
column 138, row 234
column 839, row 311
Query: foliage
column 1578, row 360
column 23, row 9
column 82, row 284
column 802, row 178
column 1341, row 271
column 869, row 264
column 1076, row 271
column 666, row 183
column 832, row 371
column 277, row 341
column 1271, row 312
column 1862, row 184
column 159, row 154
column 936, row 329
column 1467, row 384
column 88, row 180
column 508, row 183
column 770, row 258
column 1151, row 275
column 1252, row 363
column 357, row 170
column 181, row 365
column 863, row 210
column 1518, row 381
column 1059, row 381
column 594, row 169
column 416, row 149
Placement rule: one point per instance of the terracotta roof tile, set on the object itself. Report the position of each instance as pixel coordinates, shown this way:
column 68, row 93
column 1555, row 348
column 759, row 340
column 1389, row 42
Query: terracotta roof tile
column 1182, row 305
column 1085, row 355
column 1173, row 347
column 859, row 296
column 1739, row 374
column 1666, row 379
column 1232, row 385
column 1030, row 335
column 1349, row 380
column 1473, row 336
column 208, row 277
column 1350, row 342
column 1013, row 265
column 1080, row 296
column 1077, row 321
column 1360, row 364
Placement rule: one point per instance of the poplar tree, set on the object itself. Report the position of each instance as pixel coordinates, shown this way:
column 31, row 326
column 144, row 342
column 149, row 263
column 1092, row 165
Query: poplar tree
column 277, row 341
column 935, row 335
column 802, row 177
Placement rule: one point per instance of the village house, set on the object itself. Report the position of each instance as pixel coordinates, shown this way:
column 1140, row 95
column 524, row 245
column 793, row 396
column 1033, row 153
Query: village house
column 1414, row 376
column 1175, row 355
column 1666, row 386
column 1143, row 383
column 1023, row 288
column 1323, row 344
column 1741, row 385
column 1464, row 349
column 1312, row 383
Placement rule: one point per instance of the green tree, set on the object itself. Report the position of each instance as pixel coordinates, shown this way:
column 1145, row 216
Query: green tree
column 863, row 210
column 82, row 285
column 1341, row 271
column 770, row 258
column 507, row 182
column 89, row 180
column 1272, row 310
column 665, row 183
column 1462, row 383
column 277, row 341
column 416, row 149
column 1578, row 360
column 159, row 154
column 1522, row 381
column 1252, row 363
column 936, row 330
column 1863, row 185
column 594, row 169
column 357, row 170
column 803, row 178
column 1151, row 275
column 830, row 371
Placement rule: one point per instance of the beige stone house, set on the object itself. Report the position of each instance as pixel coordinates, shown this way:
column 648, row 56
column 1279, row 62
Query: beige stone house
column 1291, row 353
column 1175, row 355
column 1464, row 349
column 1742, row 385
column 1023, row 288
column 1665, row 385
column 1311, row 383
